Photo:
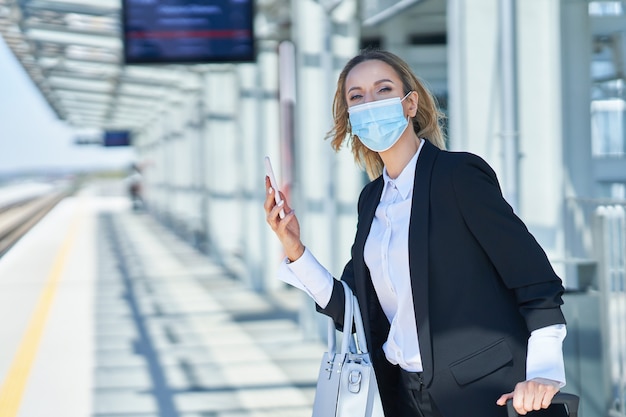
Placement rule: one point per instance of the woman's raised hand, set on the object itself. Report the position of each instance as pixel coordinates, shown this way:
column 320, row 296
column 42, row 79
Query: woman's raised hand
column 288, row 228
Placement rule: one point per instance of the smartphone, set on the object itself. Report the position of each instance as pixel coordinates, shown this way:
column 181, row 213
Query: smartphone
column 270, row 173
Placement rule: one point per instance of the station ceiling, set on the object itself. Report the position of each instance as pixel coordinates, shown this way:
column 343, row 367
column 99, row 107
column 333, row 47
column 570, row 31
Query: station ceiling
column 72, row 50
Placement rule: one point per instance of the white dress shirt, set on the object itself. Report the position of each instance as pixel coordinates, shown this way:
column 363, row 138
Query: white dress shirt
column 387, row 258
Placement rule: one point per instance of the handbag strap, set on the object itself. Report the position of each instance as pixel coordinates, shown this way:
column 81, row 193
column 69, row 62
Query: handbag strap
column 351, row 315
column 332, row 344
column 360, row 330
column 347, row 325
column 348, row 318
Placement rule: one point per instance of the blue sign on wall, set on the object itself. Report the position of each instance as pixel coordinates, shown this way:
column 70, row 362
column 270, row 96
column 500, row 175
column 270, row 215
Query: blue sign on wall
column 116, row 138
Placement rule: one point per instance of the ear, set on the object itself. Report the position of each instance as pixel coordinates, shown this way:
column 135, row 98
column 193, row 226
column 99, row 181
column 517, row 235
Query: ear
column 412, row 101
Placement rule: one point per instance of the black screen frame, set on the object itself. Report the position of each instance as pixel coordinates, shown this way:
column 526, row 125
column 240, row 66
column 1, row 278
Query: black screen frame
column 132, row 59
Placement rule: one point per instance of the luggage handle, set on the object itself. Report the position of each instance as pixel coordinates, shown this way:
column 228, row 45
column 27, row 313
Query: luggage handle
column 569, row 400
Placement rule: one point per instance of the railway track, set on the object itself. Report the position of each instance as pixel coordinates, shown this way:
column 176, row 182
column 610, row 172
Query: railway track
column 17, row 219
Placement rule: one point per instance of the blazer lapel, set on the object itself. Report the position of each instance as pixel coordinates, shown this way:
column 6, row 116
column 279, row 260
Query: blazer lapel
column 370, row 204
column 418, row 252
column 364, row 287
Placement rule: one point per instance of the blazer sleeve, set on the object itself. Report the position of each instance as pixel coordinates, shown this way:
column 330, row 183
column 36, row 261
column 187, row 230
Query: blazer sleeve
column 518, row 258
column 336, row 305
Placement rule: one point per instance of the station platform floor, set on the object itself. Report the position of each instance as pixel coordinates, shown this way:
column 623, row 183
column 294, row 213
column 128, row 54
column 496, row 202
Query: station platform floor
column 106, row 313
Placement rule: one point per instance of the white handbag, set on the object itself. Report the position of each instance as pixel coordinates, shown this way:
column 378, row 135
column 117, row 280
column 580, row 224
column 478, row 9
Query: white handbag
column 346, row 385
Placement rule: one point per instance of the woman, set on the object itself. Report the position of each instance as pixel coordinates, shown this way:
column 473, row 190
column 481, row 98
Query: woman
column 460, row 304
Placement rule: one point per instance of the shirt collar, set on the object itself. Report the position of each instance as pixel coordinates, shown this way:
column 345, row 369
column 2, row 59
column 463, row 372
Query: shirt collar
column 404, row 182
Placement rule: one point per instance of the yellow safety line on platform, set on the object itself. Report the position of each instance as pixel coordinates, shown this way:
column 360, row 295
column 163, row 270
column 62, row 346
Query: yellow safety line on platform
column 14, row 385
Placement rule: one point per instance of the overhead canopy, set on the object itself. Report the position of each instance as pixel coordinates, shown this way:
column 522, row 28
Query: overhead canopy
column 72, row 50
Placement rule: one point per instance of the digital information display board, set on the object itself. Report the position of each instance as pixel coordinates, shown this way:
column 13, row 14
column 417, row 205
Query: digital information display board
column 188, row 31
column 116, row 138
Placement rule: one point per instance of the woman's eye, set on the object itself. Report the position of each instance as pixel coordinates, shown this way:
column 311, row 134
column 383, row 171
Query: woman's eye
column 355, row 97
column 384, row 90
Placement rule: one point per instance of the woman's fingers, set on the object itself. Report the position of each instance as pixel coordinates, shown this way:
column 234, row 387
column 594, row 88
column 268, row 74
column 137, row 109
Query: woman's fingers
column 531, row 395
column 269, row 196
column 287, row 228
column 273, row 209
column 286, row 206
column 275, row 212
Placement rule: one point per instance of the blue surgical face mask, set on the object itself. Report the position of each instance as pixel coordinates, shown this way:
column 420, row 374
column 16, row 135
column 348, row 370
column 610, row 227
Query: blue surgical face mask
column 379, row 124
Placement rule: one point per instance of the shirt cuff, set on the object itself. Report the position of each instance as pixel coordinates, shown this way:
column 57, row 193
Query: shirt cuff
column 545, row 354
column 308, row 275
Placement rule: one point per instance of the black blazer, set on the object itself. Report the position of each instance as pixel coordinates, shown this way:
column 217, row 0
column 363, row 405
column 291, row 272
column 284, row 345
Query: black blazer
column 480, row 281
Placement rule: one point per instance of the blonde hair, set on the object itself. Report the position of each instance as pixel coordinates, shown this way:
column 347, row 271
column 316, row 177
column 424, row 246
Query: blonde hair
column 426, row 122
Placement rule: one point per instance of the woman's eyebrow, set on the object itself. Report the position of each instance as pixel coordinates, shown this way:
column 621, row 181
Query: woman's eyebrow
column 384, row 80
